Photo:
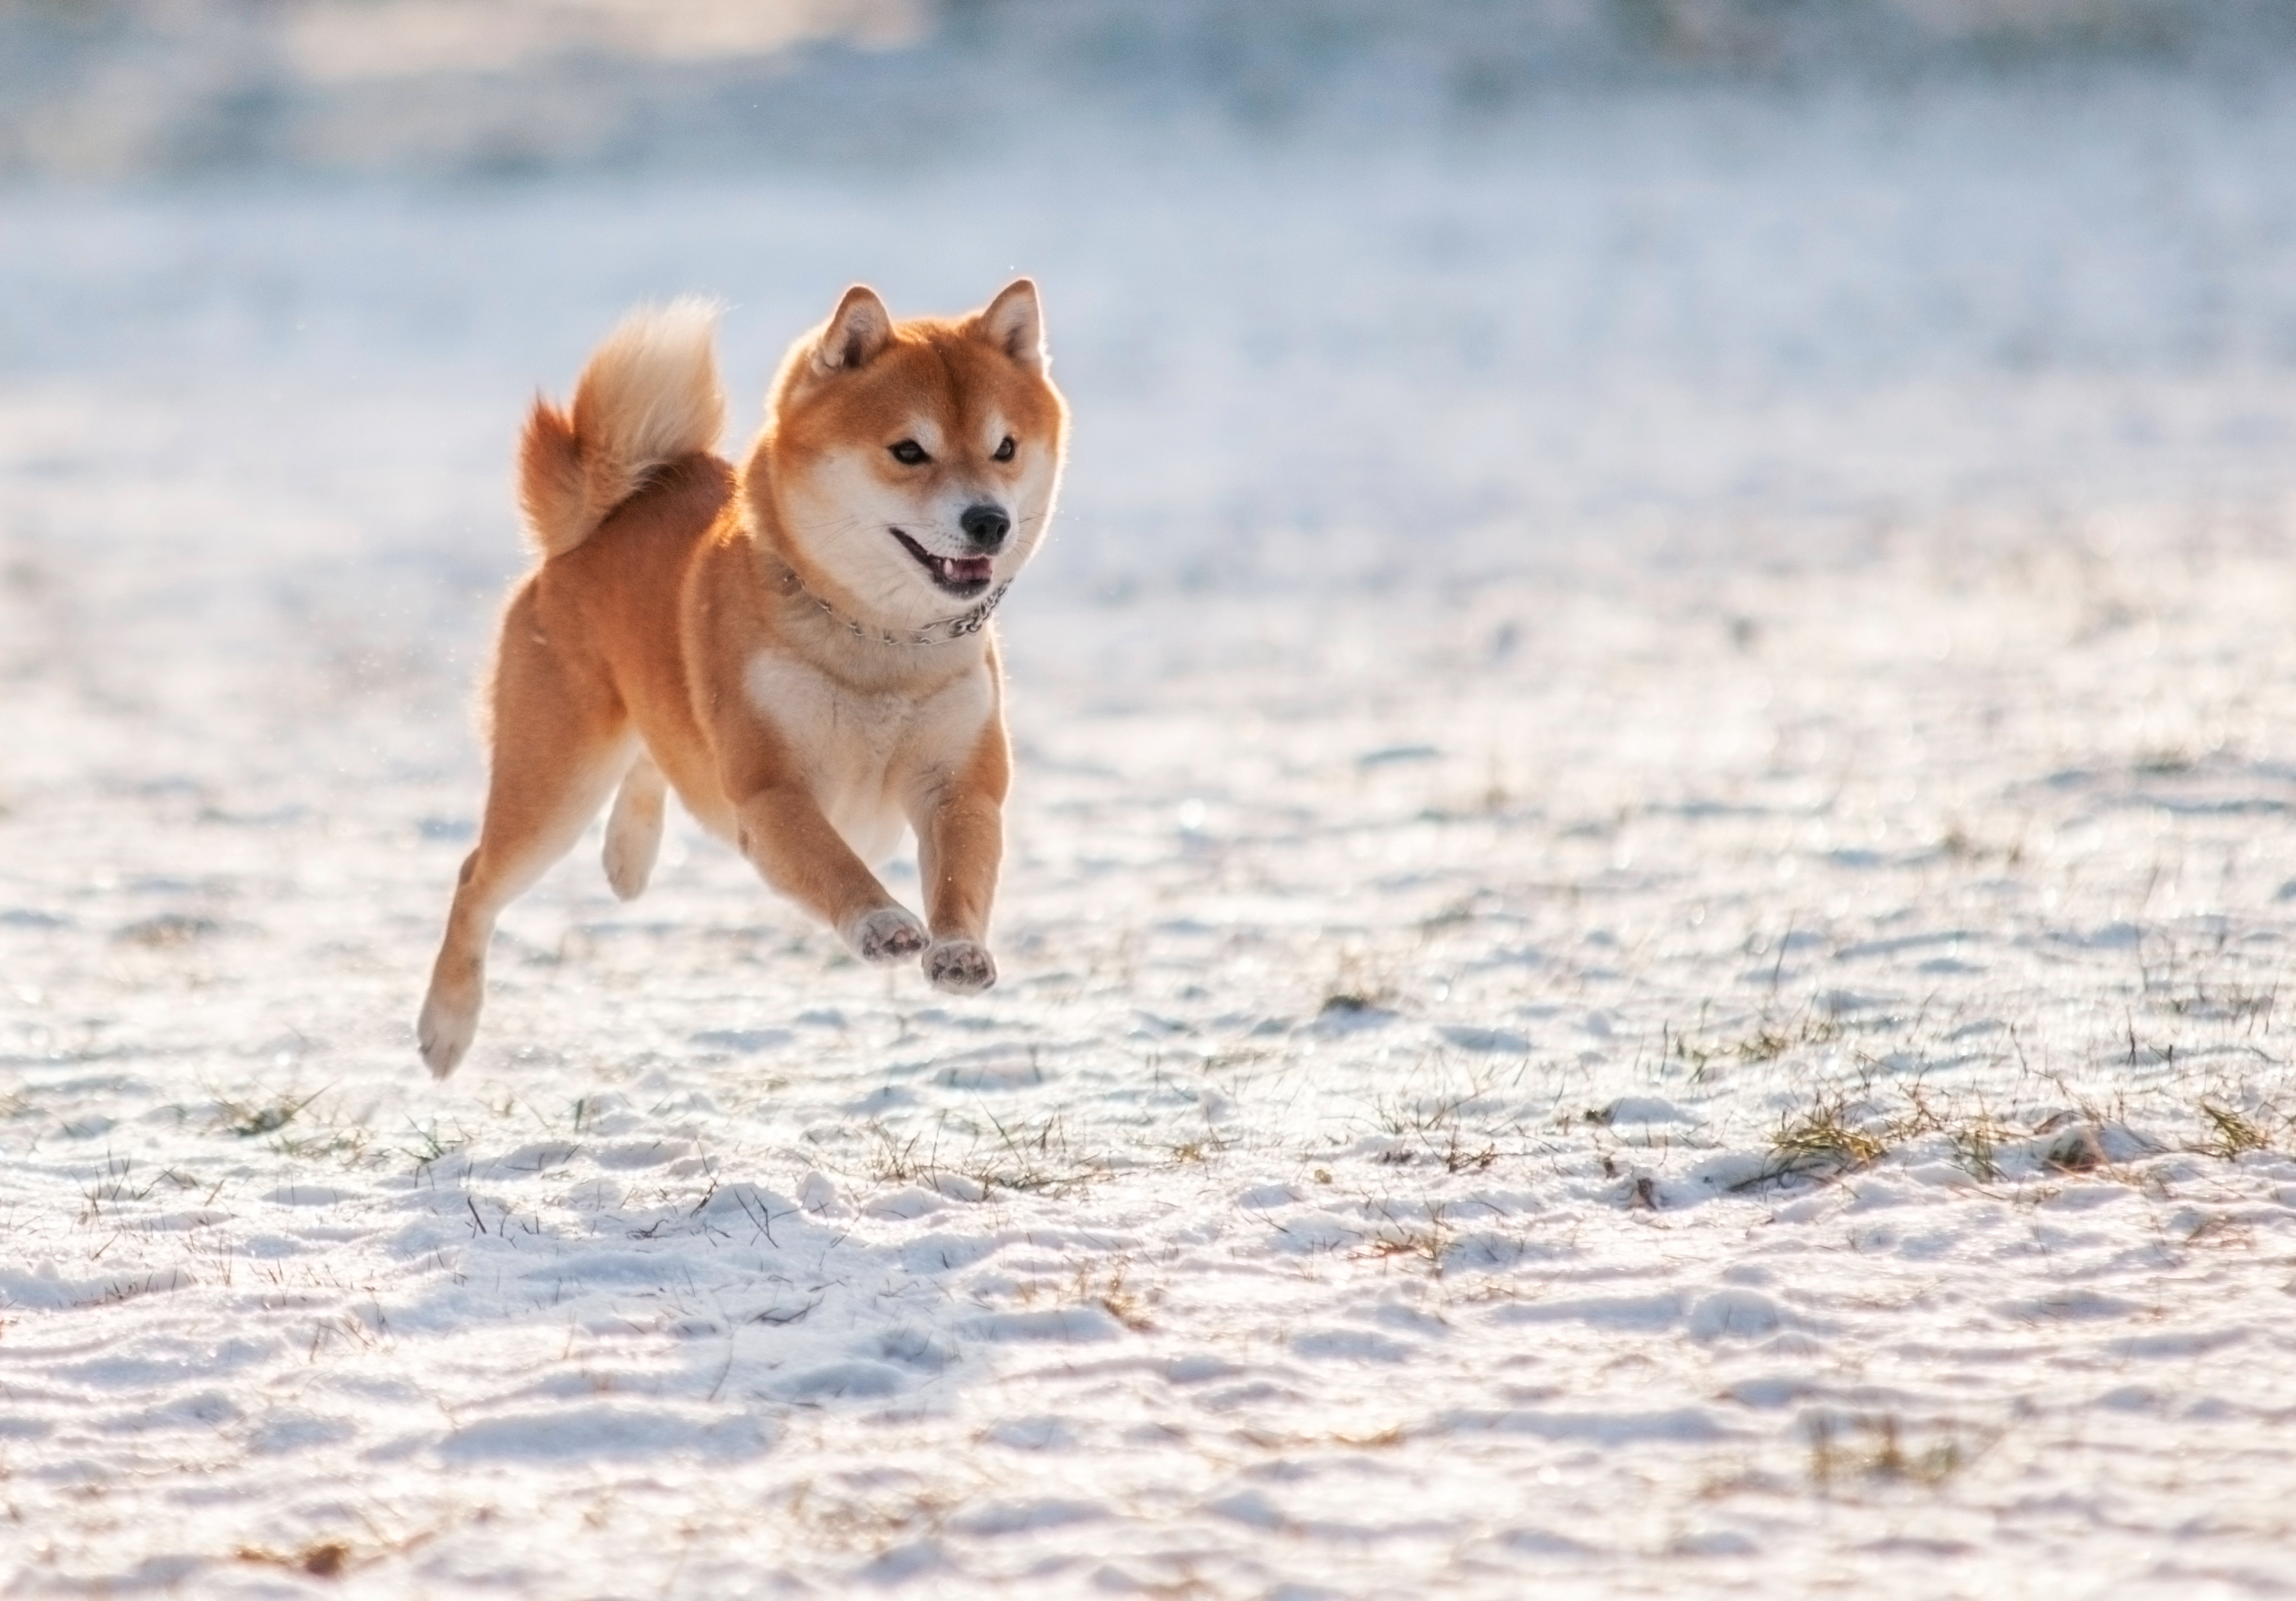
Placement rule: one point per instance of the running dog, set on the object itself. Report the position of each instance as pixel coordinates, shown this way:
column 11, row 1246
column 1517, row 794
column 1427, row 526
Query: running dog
column 800, row 649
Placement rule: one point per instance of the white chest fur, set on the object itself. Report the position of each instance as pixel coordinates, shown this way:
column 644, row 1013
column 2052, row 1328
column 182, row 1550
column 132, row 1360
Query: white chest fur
column 868, row 756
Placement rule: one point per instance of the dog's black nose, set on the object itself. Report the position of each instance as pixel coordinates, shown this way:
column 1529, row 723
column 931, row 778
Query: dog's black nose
column 986, row 526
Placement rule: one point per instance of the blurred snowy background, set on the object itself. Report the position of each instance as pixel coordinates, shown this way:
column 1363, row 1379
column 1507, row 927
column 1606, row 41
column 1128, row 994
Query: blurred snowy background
column 1341, row 288
column 112, row 88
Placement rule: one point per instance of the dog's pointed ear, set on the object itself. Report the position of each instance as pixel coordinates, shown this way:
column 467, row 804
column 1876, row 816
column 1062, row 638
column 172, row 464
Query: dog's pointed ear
column 859, row 329
column 1014, row 322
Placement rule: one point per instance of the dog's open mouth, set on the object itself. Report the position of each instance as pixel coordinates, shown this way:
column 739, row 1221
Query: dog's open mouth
column 963, row 577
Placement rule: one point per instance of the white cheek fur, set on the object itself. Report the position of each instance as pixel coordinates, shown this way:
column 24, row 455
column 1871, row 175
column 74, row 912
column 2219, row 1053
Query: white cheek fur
column 841, row 515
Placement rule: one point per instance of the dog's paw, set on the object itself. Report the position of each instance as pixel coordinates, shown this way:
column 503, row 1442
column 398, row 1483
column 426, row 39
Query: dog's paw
column 628, row 858
column 960, row 967
column 887, row 934
column 445, row 1032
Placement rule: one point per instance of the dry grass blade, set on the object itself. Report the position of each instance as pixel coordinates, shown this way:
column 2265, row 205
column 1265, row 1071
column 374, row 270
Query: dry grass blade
column 1820, row 1143
column 249, row 1119
column 322, row 1559
column 2235, row 1134
column 1873, row 1448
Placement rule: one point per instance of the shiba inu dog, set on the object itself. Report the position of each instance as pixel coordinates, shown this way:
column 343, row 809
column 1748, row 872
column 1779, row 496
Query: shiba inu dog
column 800, row 649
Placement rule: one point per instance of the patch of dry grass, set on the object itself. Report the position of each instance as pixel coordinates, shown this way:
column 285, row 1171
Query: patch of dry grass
column 1874, row 1449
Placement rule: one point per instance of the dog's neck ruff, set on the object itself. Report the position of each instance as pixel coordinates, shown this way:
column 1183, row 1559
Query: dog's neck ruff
column 946, row 631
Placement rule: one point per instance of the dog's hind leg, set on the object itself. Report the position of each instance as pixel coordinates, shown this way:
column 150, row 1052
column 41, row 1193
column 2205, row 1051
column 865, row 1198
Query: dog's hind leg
column 634, row 828
column 561, row 739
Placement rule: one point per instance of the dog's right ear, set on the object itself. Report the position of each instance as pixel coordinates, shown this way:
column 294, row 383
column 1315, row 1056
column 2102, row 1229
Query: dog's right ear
column 860, row 329
column 1014, row 322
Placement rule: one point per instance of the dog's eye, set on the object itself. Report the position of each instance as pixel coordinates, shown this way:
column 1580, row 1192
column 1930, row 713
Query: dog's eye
column 1004, row 451
column 909, row 453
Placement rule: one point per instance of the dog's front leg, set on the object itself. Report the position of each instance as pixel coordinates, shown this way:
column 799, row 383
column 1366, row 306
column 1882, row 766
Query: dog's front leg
column 792, row 844
column 960, row 847
column 778, row 823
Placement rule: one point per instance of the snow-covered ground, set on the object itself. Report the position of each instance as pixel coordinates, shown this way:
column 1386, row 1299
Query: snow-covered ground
column 1641, row 938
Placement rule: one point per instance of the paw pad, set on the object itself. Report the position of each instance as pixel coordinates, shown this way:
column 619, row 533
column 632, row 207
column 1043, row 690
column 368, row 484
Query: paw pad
column 887, row 934
column 961, row 966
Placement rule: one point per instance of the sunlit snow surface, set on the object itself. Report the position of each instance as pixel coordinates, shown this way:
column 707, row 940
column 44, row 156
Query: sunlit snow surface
column 1643, row 940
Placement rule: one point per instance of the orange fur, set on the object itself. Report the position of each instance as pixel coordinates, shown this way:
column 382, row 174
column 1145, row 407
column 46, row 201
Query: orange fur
column 787, row 649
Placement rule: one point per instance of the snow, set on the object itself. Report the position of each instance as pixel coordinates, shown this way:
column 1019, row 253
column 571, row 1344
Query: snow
column 1641, row 945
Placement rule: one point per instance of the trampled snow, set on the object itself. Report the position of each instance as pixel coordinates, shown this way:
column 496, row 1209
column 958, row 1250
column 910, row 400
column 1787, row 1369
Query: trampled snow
column 1646, row 900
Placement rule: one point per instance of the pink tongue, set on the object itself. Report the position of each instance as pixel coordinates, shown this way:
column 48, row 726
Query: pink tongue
column 970, row 570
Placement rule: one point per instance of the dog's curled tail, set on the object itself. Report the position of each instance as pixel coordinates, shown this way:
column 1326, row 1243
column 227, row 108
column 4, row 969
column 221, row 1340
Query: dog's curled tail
column 647, row 396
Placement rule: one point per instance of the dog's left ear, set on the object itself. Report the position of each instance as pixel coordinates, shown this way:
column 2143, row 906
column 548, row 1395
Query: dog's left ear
column 858, row 330
column 1014, row 322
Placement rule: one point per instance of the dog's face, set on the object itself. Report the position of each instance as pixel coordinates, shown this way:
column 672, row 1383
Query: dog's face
column 910, row 467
